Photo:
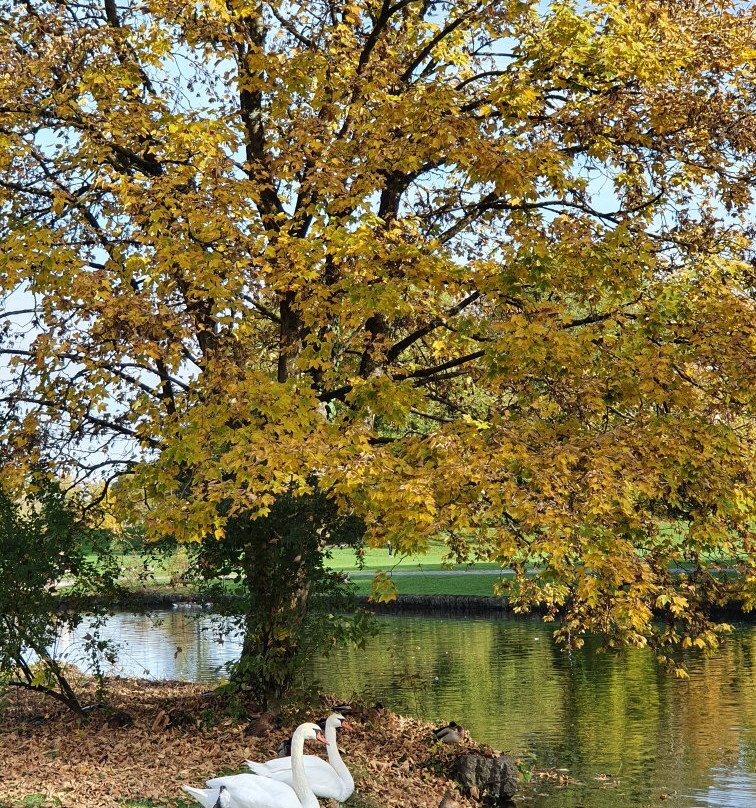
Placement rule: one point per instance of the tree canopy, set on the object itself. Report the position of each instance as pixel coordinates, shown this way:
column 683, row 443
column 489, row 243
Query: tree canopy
column 480, row 268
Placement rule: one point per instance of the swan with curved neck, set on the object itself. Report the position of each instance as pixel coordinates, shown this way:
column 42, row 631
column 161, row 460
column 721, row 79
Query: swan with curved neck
column 331, row 780
column 251, row 791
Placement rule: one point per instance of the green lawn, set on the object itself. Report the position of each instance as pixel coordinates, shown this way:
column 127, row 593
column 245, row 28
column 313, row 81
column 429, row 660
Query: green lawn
column 417, row 576
column 157, row 579
column 429, row 584
column 343, row 558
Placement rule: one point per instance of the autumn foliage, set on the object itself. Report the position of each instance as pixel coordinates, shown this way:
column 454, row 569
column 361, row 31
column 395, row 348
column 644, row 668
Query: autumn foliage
column 481, row 269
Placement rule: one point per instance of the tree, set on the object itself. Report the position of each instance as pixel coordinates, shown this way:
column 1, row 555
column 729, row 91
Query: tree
column 294, row 606
column 44, row 545
column 478, row 268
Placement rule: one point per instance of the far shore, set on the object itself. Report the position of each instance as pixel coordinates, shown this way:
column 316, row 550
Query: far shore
column 438, row 604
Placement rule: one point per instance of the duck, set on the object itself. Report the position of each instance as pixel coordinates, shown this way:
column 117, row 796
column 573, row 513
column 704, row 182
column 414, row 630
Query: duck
column 330, row 780
column 251, row 791
column 261, row 725
column 451, row 733
column 375, row 713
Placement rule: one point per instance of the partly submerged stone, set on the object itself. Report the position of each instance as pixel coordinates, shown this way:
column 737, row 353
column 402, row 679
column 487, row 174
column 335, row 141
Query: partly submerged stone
column 492, row 779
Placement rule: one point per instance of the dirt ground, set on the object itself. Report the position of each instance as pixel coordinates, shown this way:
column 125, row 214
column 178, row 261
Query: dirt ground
column 155, row 736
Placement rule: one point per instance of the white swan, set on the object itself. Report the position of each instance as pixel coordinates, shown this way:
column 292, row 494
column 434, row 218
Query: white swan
column 251, row 791
column 205, row 796
column 330, row 780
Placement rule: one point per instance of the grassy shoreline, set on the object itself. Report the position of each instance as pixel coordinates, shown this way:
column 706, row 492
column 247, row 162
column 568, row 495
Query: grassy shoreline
column 418, row 575
column 425, row 584
column 420, row 578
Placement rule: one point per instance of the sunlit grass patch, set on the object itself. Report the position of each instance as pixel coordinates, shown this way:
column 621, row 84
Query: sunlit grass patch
column 438, row 584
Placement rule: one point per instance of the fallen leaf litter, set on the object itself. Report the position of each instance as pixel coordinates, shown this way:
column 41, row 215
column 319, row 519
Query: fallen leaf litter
column 156, row 736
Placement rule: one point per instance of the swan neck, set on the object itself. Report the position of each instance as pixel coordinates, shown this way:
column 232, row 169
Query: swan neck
column 298, row 778
column 334, row 758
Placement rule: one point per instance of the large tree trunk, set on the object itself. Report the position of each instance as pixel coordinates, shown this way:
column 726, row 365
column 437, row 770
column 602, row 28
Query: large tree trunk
column 280, row 558
column 278, row 588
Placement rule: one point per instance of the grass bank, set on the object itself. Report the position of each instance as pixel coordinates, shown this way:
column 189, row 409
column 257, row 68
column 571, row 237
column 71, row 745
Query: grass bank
column 425, row 575
column 343, row 559
column 428, row 583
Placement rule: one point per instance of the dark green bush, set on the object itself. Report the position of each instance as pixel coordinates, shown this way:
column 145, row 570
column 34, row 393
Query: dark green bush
column 55, row 572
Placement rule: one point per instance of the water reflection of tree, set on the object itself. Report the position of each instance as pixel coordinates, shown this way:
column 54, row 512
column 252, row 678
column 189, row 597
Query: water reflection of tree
column 505, row 680
column 593, row 713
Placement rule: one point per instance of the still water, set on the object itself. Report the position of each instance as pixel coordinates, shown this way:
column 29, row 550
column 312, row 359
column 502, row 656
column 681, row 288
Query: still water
column 627, row 732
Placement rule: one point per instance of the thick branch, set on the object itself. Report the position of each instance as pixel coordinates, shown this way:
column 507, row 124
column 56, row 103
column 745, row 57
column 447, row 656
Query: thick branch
column 424, row 373
column 375, row 33
column 111, row 14
column 250, row 108
column 398, row 348
column 76, row 706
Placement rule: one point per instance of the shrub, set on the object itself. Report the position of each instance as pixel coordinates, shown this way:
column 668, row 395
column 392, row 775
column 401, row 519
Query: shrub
column 55, row 571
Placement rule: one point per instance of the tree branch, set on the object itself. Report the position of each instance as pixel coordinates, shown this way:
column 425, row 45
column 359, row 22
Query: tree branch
column 439, row 37
column 423, row 373
column 87, row 416
column 399, row 347
column 287, row 25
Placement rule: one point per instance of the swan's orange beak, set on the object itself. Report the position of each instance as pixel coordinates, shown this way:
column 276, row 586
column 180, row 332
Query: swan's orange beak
column 320, row 737
column 344, row 725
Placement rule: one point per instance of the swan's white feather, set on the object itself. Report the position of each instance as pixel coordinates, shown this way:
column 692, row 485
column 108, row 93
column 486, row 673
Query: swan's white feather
column 321, row 775
column 250, row 791
column 207, row 797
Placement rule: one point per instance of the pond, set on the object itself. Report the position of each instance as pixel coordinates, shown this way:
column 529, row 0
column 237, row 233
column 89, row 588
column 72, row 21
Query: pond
column 631, row 735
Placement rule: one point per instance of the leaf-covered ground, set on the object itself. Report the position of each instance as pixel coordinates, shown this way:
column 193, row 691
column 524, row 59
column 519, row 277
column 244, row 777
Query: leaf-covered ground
column 179, row 735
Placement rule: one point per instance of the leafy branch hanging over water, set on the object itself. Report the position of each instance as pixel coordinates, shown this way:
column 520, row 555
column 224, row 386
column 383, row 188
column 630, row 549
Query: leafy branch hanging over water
column 483, row 268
